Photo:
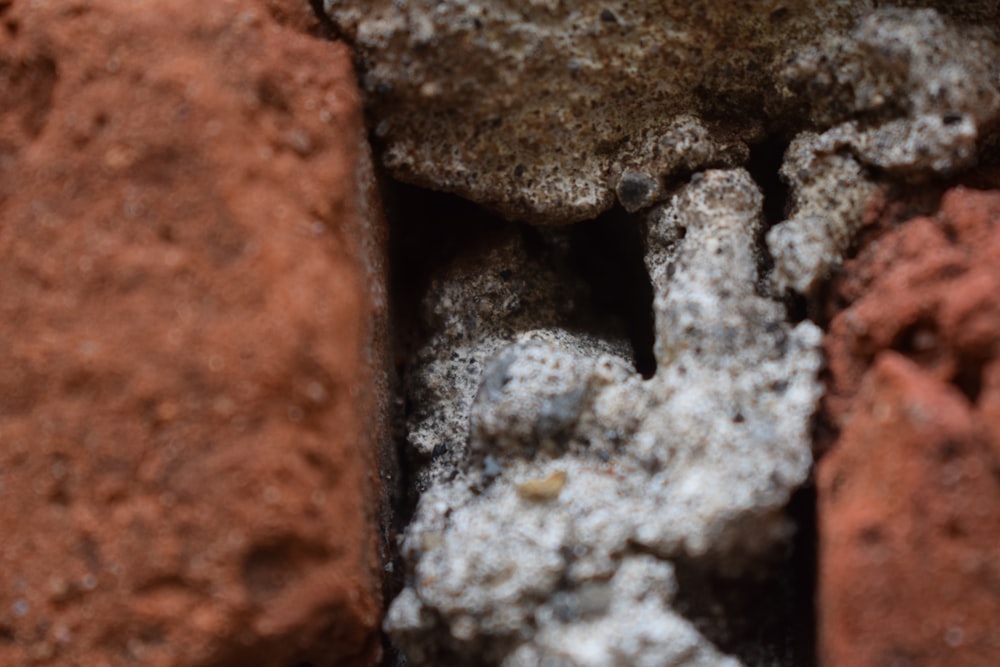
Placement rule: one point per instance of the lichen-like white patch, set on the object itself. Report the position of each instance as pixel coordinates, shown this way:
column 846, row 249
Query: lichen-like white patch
column 575, row 463
column 920, row 90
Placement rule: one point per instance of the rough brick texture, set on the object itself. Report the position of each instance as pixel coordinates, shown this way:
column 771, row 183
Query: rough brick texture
column 909, row 496
column 190, row 371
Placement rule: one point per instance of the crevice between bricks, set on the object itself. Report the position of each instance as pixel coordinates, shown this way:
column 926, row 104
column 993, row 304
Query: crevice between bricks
column 429, row 229
column 607, row 422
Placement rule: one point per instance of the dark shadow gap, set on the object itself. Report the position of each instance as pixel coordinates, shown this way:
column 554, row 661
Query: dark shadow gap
column 427, row 230
column 969, row 377
column 764, row 167
column 608, row 253
column 325, row 27
column 767, row 618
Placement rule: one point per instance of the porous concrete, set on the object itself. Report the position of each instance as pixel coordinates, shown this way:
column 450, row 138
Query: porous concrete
column 919, row 90
column 518, row 288
column 579, row 473
column 551, row 467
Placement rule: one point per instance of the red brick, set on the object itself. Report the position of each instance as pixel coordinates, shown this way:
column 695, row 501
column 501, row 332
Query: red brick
column 909, row 495
column 191, row 310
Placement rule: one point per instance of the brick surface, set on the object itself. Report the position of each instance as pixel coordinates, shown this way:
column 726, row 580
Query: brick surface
column 190, row 363
column 909, row 496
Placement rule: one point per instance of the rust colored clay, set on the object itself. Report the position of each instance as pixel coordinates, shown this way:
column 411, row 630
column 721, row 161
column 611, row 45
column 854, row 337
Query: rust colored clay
column 909, row 495
column 190, row 292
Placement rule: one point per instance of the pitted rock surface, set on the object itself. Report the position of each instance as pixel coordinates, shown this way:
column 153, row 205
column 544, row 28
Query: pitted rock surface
column 925, row 92
column 550, row 110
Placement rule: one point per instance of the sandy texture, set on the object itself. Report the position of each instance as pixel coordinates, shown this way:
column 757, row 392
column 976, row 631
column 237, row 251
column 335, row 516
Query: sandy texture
column 475, row 309
column 920, row 94
column 190, row 278
column 576, row 473
column 551, row 111
column 547, row 110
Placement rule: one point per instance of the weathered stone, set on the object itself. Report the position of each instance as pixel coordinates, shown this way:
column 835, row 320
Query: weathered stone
column 927, row 289
column 548, row 110
column 831, row 193
column 542, row 109
column 909, row 496
column 920, row 91
column 575, row 462
column 191, row 366
column 484, row 303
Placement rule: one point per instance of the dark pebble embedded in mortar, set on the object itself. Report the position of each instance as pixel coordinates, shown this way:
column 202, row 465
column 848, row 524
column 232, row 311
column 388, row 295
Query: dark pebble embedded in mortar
column 636, row 191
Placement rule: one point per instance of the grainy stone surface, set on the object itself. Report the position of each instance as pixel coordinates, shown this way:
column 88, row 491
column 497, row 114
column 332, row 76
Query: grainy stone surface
column 484, row 303
column 831, row 192
column 920, row 91
column 926, row 289
column 909, row 496
column 190, row 282
column 576, row 464
column 545, row 109
column 550, row 110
